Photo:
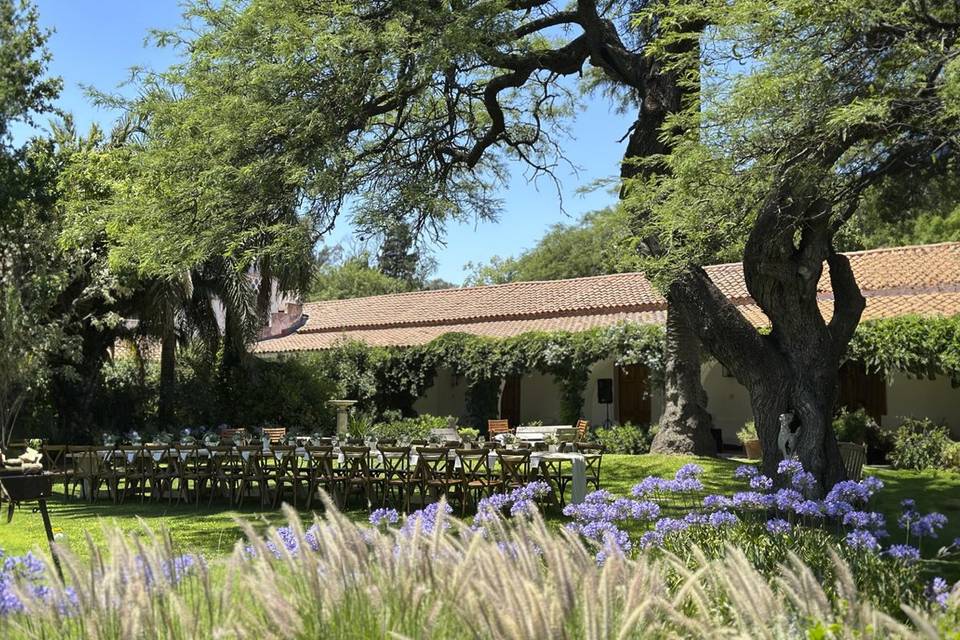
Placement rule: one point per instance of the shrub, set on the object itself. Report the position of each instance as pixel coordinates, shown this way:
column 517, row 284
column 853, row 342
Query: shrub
column 416, row 428
column 919, row 444
column 748, row 432
column 625, row 438
column 951, row 456
column 852, row 426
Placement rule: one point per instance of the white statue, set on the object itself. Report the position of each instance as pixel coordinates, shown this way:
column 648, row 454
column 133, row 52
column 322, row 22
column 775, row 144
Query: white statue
column 787, row 439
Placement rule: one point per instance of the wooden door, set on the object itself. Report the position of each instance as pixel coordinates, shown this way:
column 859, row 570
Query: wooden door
column 510, row 400
column 633, row 394
column 861, row 389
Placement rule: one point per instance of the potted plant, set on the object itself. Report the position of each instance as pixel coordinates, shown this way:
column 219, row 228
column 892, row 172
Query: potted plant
column 552, row 441
column 509, row 440
column 751, row 443
column 211, row 439
column 109, row 439
column 469, row 435
column 187, row 438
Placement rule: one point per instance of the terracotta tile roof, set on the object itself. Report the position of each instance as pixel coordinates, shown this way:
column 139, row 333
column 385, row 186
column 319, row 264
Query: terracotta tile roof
column 921, row 280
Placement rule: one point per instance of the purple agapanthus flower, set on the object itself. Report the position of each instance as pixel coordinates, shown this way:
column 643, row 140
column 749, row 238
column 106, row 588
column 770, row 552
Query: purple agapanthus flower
column 789, row 467
column 384, row 517
column 745, row 471
column 928, row 525
column 903, row 552
column 862, row 539
column 778, row 526
column 938, row 592
column 761, row 483
column 864, row 520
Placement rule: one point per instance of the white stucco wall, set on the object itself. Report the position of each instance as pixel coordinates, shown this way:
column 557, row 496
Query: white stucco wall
column 539, row 399
column 447, row 396
column 934, row 399
column 728, row 401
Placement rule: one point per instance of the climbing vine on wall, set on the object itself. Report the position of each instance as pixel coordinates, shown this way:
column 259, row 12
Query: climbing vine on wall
column 921, row 347
column 392, row 378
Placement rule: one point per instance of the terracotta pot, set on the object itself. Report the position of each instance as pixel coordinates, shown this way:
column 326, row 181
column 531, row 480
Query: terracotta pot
column 753, row 450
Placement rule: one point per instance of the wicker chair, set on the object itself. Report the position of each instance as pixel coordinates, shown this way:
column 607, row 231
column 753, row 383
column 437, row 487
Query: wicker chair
column 854, row 457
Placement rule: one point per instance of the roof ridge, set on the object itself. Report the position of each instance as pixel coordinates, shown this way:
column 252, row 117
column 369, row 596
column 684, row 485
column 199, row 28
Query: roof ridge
column 498, row 317
column 501, row 285
column 860, row 252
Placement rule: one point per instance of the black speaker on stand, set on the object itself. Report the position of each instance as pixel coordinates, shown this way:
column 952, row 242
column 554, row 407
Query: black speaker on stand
column 605, row 395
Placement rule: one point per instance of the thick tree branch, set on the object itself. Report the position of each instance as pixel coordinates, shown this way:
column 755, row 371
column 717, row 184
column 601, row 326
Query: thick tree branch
column 718, row 323
column 848, row 303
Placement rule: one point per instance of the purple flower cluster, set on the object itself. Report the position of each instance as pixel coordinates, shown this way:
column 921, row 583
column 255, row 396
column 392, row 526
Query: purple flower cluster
column 520, row 502
column 384, row 517
column 862, row 539
column 427, row 519
column 778, row 526
column 26, row 577
column 686, row 480
column 938, row 592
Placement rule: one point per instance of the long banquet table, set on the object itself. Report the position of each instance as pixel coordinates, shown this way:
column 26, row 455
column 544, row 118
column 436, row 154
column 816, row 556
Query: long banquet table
column 578, row 461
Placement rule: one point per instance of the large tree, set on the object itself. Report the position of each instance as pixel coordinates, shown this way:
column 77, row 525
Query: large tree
column 294, row 107
column 809, row 105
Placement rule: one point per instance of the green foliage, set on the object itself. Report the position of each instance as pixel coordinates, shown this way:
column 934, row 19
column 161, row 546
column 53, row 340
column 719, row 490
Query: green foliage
column 353, row 278
column 290, row 392
column 624, row 438
column 469, row 433
column 885, row 581
column 951, row 456
column 922, row 347
column 565, row 251
column 852, row 426
column 919, row 444
column 417, row 428
column 748, row 432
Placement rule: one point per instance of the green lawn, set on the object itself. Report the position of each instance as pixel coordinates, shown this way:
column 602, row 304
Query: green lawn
column 213, row 532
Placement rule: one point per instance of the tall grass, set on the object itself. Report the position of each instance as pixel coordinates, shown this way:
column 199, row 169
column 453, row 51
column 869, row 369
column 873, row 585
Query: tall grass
column 516, row 581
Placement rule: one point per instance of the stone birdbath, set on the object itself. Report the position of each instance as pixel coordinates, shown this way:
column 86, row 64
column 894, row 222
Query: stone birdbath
column 343, row 415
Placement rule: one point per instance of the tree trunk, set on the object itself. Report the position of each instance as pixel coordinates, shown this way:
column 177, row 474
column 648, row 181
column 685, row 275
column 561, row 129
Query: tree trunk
column 168, row 372
column 685, row 425
column 809, row 392
column 794, row 369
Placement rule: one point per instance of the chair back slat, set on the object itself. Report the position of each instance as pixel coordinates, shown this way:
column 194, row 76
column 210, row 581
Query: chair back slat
column 497, row 427
column 854, row 456
column 582, row 427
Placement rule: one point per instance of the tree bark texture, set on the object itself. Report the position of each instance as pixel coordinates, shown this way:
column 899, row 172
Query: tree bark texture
column 795, row 367
column 685, row 424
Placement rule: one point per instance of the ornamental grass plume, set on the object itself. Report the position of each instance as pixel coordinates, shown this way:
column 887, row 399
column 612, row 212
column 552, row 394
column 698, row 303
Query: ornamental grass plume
column 514, row 579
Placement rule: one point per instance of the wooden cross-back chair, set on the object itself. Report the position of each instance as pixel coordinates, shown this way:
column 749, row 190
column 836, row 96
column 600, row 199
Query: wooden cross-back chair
column 320, row 471
column 162, row 470
column 475, row 475
column 225, row 468
column 85, row 466
column 433, row 473
column 285, row 472
column 254, row 474
column 191, row 468
column 397, row 479
column 514, row 467
column 354, row 473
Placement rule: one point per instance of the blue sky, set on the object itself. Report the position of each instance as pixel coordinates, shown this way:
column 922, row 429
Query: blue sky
column 96, row 42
